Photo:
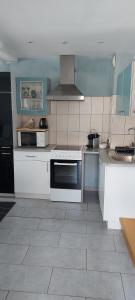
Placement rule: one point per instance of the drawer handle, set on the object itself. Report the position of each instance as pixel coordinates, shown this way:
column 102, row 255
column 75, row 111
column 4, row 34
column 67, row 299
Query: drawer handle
column 5, row 153
column 30, row 155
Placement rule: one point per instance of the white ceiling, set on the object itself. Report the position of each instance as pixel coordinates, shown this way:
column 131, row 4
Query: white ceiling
column 80, row 22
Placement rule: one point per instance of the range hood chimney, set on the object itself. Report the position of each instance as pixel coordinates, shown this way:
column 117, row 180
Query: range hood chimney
column 66, row 90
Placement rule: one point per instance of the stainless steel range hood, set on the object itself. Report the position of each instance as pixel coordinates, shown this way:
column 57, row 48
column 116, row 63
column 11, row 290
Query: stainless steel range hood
column 66, row 90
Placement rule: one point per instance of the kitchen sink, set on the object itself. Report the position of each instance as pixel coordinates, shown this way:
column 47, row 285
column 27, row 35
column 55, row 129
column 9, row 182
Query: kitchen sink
column 124, row 158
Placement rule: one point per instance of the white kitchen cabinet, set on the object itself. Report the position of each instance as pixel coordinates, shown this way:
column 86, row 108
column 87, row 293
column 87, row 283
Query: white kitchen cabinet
column 32, row 174
column 116, row 192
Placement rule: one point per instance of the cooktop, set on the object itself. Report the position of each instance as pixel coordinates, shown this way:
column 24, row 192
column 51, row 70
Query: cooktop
column 68, row 147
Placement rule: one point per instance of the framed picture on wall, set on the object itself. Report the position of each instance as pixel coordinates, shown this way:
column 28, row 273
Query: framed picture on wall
column 30, row 95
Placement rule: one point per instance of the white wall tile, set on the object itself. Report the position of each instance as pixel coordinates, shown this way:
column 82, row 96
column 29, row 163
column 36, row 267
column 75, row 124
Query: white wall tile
column 83, row 138
column 106, row 123
column 86, row 106
column 117, row 140
column 128, row 139
column 62, row 138
column 74, row 107
column 51, row 122
column 107, row 105
column 130, row 122
column 84, row 123
column 117, row 124
column 96, row 122
column 97, row 105
column 73, row 138
column 62, row 107
column 53, row 107
column 73, row 123
column 52, row 137
column 62, row 122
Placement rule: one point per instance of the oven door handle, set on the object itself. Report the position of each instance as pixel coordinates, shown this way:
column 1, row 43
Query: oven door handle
column 65, row 164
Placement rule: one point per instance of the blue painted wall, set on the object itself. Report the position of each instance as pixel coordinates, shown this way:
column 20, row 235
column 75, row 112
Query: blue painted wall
column 94, row 76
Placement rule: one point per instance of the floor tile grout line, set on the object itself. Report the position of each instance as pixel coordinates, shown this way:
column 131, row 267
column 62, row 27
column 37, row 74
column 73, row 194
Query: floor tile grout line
column 22, row 263
column 7, row 294
column 65, row 268
column 123, row 286
column 50, row 281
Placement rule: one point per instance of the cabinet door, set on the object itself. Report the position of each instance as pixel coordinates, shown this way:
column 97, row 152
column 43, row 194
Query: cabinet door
column 6, row 172
column 32, row 177
column 31, row 95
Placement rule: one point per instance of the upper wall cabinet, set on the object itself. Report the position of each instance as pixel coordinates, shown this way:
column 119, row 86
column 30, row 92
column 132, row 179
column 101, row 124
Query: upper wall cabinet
column 94, row 76
column 123, row 92
column 132, row 94
column 31, row 95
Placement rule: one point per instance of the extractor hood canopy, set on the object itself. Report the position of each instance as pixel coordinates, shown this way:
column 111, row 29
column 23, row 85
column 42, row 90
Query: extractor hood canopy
column 66, row 90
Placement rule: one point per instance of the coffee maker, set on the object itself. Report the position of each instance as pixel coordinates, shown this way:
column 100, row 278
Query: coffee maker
column 93, row 140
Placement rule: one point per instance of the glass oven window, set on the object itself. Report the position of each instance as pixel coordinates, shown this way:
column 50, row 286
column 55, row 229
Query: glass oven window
column 66, row 174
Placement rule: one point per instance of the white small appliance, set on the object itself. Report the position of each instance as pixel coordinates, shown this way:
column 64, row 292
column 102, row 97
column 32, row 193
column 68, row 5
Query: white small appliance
column 37, row 138
column 66, row 174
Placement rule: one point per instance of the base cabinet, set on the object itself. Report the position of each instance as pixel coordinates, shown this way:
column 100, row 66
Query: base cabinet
column 32, row 175
column 116, row 192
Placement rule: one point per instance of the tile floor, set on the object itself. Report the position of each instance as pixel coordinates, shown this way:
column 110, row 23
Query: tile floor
column 62, row 251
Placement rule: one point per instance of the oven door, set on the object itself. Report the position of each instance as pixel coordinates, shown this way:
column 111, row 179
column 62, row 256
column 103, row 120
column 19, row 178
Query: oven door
column 66, row 174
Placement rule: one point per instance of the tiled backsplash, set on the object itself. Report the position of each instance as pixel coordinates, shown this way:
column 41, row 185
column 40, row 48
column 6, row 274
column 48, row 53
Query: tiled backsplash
column 71, row 122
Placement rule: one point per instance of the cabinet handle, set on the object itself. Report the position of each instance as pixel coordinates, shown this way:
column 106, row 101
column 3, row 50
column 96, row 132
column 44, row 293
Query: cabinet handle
column 30, row 156
column 4, row 153
column 47, row 167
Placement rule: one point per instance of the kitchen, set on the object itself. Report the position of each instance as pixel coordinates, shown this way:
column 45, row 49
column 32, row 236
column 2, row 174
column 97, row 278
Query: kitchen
column 67, row 242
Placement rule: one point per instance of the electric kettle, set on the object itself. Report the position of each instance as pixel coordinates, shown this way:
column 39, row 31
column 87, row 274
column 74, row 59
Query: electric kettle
column 43, row 123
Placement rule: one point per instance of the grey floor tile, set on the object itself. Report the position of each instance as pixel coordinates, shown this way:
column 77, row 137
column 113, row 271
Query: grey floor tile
column 24, row 278
column 96, row 228
column 40, row 212
column 56, row 257
column 109, row 261
column 16, row 211
column 87, row 216
column 32, row 296
column 19, row 222
column 120, row 243
column 33, row 237
column 12, row 254
column 4, row 235
column 67, row 205
column 3, row 295
column 32, row 202
column 62, row 225
column 86, row 284
column 87, row 241
column 90, row 196
column 93, row 206
column 129, row 286
column 101, row 228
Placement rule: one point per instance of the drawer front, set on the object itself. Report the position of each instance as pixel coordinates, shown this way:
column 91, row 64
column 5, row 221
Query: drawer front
column 31, row 155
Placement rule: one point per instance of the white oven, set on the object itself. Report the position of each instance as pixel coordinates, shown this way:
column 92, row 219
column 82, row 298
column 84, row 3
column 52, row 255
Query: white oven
column 66, row 175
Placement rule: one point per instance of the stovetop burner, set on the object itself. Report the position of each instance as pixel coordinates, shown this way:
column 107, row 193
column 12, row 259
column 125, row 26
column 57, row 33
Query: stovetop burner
column 67, row 147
